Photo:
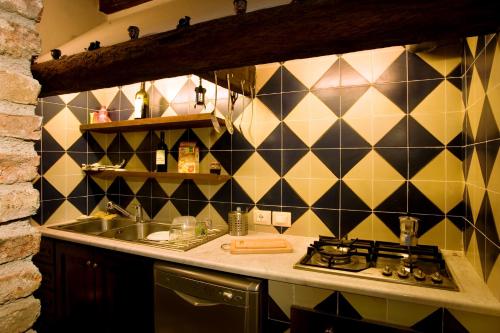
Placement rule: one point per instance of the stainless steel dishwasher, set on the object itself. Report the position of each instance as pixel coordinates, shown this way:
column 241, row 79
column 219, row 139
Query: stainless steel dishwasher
column 191, row 299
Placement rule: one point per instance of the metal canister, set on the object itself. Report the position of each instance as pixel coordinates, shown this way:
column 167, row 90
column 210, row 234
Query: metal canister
column 238, row 223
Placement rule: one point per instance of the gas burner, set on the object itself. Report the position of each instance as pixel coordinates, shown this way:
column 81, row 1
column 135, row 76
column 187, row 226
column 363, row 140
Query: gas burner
column 409, row 261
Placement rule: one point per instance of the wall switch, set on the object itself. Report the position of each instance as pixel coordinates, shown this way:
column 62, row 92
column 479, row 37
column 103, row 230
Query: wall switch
column 262, row 217
column 282, row 219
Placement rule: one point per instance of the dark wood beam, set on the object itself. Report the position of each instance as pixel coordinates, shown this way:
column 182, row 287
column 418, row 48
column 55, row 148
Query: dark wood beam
column 113, row 6
column 299, row 30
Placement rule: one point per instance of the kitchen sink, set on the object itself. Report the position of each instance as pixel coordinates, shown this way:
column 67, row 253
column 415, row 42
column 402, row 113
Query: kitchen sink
column 96, row 226
column 128, row 230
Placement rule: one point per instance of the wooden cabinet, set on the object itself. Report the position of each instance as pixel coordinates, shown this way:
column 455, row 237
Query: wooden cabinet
column 99, row 290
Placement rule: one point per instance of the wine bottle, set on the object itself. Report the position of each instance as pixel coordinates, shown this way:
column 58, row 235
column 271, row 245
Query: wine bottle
column 161, row 154
column 141, row 103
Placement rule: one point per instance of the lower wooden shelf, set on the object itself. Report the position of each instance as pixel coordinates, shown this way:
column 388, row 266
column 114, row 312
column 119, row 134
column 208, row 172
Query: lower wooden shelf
column 202, row 177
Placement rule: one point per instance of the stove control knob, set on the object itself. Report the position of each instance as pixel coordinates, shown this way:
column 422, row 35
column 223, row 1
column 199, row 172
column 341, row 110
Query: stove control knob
column 403, row 273
column 419, row 274
column 387, row 271
column 437, row 278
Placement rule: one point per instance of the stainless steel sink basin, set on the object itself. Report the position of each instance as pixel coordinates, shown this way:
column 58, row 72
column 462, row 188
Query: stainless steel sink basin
column 96, row 226
column 130, row 231
column 135, row 232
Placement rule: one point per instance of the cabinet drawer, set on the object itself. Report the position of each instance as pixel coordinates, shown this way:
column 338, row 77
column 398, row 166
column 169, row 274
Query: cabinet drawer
column 46, row 254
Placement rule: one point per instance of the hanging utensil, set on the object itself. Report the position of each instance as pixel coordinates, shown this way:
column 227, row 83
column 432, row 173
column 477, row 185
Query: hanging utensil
column 213, row 117
column 242, row 104
column 229, row 117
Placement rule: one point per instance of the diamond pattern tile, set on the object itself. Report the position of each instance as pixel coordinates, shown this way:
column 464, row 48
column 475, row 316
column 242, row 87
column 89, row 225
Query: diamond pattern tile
column 257, row 127
column 309, row 71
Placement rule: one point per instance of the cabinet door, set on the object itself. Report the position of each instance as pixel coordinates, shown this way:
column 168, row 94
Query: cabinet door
column 124, row 291
column 75, row 289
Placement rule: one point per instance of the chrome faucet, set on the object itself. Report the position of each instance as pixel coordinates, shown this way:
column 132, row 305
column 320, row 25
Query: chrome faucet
column 138, row 217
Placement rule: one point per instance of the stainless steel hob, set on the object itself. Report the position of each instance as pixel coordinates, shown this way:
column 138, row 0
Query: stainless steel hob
column 420, row 265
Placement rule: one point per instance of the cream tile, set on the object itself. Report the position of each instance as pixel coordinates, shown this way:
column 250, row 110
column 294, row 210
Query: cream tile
column 472, row 255
column 407, row 314
column 383, row 58
column 476, row 91
column 362, row 62
column 169, row 186
column 68, row 97
column 283, row 294
column 383, row 189
column 58, row 216
column 475, row 176
column 494, row 99
column 363, row 189
column 474, row 115
column 454, row 194
column 364, row 169
column 301, row 227
column 130, row 90
column 364, row 230
column 435, row 59
column 134, row 139
column 383, row 170
column 135, row 164
column 434, row 191
column 495, row 204
column 71, row 130
column 476, row 323
column 309, row 297
column 435, row 170
column 381, row 232
column 103, row 139
column 57, row 125
column 310, row 70
column 453, row 167
column 476, row 195
column 435, row 236
column 454, row 101
column 105, row 96
column 360, row 115
column 257, row 126
column 454, row 237
column 472, row 43
column 494, row 82
column 369, row 307
column 317, row 227
column 264, row 73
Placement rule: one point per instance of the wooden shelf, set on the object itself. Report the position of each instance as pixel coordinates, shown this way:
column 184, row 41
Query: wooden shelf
column 173, row 122
column 207, row 178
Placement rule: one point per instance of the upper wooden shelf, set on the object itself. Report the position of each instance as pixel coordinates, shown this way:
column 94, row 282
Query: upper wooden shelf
column 298, row 30
column 205, row 178
column 172, row 122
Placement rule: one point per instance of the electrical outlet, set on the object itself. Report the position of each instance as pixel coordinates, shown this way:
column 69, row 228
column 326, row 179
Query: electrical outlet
column 262, row 217
column 282, row 219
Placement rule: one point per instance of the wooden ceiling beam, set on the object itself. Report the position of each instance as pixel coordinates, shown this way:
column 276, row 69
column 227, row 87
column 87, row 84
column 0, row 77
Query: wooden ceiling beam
column 299, row 30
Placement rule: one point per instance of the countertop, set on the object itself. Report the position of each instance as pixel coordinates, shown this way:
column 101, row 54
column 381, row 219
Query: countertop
column 474, row 295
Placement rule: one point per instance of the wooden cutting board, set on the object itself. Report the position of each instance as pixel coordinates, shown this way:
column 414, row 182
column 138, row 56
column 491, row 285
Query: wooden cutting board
column 247, row 246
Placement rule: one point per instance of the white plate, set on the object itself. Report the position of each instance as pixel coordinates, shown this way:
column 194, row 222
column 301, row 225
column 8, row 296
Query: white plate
column 159, row 236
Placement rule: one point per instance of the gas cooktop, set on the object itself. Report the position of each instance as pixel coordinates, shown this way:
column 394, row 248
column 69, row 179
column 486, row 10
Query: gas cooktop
column 420, row 265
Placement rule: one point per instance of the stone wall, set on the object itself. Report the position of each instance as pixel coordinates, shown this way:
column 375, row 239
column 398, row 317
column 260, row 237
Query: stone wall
column 19, row 128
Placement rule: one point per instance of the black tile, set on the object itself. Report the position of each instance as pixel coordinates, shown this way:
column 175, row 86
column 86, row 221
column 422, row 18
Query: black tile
column 48, row 207
column 239, row 195
column 418, row 203
column 433, row 323
column 80, row 145
column 196, row 207
column 467, row 130
column 273, row 196
column 275, row 312
column 290, row 82
column 491, row 255
column 48, row 159
column 466, row 86
column 487, row 129
column 146, row 204
column 92, row 102
column 182, row 191
column 182, row 206
column 331, row 198
column 492, row 148
column 350, row 219
column 223, row 142
column 396, row 202
column 53, row 99
column 396, row 157
column 396, row 137
column 80, row 190
column 49, row 192
column 482, row 157
column 93, row 188
column 239, row 142
column 331, row 138
column 157, row 204
column 481, row 248
column 80, row 114
column 457, row 82
column 224, row 158
column 468, row 152
column 49, row 143
column 39, row 108
column 427, row 222
column 468, row 234
column 239, row 157
column 125, row 104
column 350, row 157
column 273, row 158
column 93, row 201
column 296, row 212
column 80, row 100
column 330, row 97
column 80, row 203
column 351, row 95
column 273, row 103
column 349, row 76
column 145, row 189
column 331, row 78
column 451, row 324
column 330, row 158
column 148, row 160
column 290, row 101
column 194, row 192
column 455, row 75
column 290, row 197
column 291, row 140
column 273, row 85
column 223, row 194
column 419, row 69
column 329, row 304
column 273, row 140
column 350, row 138
column 489, row 54
column 349, row 199
column 396, row 72
column 346, row 310
column 123, row 115
column 222, row 208
column 419, row 90
column 391, row 221
column 396, row 93
column 157, row 102
column 156, row 190
column 330, row 218
column 418, row 136
column 291, row 157
column 115, row 103
column 50, row 111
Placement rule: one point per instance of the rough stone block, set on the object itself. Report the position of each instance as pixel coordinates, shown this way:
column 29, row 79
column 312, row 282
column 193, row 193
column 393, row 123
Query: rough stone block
column 19, row 315
column 18, row 161
column 18, row 240
column 18, row 88
column 31, row 9
column 18, row 279
column 23, row 127
column 10, row 64
column 7, row 107
column 18, row 201
column 18, row 36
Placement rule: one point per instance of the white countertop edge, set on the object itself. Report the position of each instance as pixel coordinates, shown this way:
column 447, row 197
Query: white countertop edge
column 474, row 295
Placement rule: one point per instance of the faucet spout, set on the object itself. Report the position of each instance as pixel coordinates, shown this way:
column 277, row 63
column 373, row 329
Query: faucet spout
column 138, row 217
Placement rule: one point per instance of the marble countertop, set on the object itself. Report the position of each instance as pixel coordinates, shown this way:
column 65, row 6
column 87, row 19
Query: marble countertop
column 474, row 295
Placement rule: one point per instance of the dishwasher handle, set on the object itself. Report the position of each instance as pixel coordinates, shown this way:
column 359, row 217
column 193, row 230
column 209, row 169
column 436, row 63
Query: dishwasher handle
column 195, row 301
